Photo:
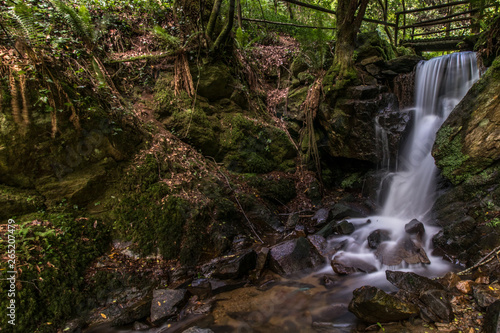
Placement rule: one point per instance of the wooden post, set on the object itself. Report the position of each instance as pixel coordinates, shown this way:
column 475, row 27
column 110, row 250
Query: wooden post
column 396, row 30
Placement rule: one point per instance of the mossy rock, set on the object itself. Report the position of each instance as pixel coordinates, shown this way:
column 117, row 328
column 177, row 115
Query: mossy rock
column 16, row 202
column 298, row 65
column 216, row 82
column 274, row 188
column 370, row 44
column 295, row 100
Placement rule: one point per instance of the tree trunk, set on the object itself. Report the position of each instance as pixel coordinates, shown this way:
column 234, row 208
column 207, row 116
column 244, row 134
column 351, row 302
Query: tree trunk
column 213, row 18
column 227, row 28
column 349, row 17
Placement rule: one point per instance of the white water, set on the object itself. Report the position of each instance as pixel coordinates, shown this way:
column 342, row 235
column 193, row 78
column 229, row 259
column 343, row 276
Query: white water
column 440, row 84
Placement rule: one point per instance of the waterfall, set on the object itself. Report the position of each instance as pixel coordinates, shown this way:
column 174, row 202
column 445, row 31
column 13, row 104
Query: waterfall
column 440, row 84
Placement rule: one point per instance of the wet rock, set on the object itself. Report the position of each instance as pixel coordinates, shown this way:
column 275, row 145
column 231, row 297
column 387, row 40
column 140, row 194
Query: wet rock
column 373, row 305
column 343, row 210
column 465, row 287
column 73, row 326
column 236, row 266
column 450, row 280
column 327, row 230
column 415, row 227
column 196, row 329
column 405, row 249
column 492, row 318
column 222, row 286
column 241, row 242
column 201, row 288
column 319, row 242
column 300, row 231
column 292, row 221
column 436, row 306
column 377, row 237
column 294, row 256
column 328, row 281
column 321, row 217
column 261, row 260
column 344, row 265
column 411, row 282
column 166, row 303
column 486, row 295
column 344, row 228
column 366, row 92
column 131, row 305
column 138, row 326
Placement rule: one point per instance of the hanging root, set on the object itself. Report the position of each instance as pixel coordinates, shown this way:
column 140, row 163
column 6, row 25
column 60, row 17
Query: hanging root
column 14, row 92
column 182, row 75
column 310, row 107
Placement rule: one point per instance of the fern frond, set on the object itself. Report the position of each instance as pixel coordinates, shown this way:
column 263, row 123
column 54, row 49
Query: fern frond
column 21, row 24
column 79, row 22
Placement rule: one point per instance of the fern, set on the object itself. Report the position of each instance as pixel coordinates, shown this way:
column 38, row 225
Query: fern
column 79, row 21
column 21, row 23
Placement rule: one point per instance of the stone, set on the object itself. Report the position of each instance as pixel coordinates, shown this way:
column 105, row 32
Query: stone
column 366, row 91
column 373, row 69
column 236, row 266
column 485, row 295
column 262, row 259
column 373, row 305
column 344, row 265
column 319, row 242
column 300, row 231
column 344, row 210
column 377, row 237
column 196, row 329
column 415, row 227
column 215, row 82
column 222, row 286
column 321, row 217
column 344, row 228
column 465, row 287
column 436, row 306
column 492, row 318
column 166, row 303
column 201, row 288
column 405, row 249
column 411, row 282
column 138, row 326
column 292, row 221
column 327, row 230
column 403, row 64
column 294, row 256
column 372, row 60
column 482, row 280
column 450, row 280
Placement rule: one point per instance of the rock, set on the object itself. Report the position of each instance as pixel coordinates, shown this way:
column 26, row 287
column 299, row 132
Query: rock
column 321, row 217
column 201, row 288
column 220, row 286
column 319, row 242
column 366, row 92
column 236, row 266
column 403, row 64
column 73, row 326
column 138, row 326
column 492, row 318
column 344, row 265
column 300, row 231
column 166, row 303
column 372, row 60
column 344, row 210
column 373, row 305
column 196, row 329
column 486, row 295
column 450, row 280
column 122, row 309
column 292, row 221
column 405, row 249
column 482, row 280
column 378, row 236
column 344, row 228
column 241, row 243
column 436, row 306
column 415, row 227
column 215, row 82
column 294, row 256
column 327, row 230
column 373, row 69
column 411, row 282
column 465, row 287
column 388, row 72
column 262, row 257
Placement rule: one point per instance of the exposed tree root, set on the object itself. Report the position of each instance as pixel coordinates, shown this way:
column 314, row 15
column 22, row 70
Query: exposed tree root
column 486, row 259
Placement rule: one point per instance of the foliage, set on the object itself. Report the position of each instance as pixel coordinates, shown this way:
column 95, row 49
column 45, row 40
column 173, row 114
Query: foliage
column 53, row 252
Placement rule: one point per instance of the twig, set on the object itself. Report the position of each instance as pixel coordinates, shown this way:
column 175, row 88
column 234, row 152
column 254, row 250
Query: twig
column 486, row 259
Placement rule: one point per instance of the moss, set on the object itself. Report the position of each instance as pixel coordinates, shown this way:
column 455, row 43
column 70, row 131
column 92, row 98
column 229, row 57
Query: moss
column 449, row 147
column 276, row 189
column 53, row 256
column 352, row 180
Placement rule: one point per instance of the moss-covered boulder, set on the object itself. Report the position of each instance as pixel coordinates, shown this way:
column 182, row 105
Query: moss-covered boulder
column 469, row 140
column 216, row 82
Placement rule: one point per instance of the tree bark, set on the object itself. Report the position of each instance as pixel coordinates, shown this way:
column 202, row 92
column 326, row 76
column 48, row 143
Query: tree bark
column 227, row 28
column 349, row 17
column 213, row 18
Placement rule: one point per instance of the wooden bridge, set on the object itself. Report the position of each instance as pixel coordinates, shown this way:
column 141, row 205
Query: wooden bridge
column 450, row 26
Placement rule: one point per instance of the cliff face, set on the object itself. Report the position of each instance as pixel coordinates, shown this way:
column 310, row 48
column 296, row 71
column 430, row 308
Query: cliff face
column 467, row 150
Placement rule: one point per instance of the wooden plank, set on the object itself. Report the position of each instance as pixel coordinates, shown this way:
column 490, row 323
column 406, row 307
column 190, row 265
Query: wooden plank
column 420, row 25
column 287, row 24
column 441, row 31
column 434, row 7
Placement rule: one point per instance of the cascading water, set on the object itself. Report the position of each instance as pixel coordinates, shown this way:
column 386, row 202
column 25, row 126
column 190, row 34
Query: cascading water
column 440, row 84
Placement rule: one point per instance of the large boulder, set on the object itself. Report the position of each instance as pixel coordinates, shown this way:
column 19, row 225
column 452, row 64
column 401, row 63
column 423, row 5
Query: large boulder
column 344, row 264
column 373, row 305
column 236, row 266
column 294, row 256
column 468, row 142
column 378, row 236
column 436, row 306
column 492, row 318
column 404, row 250
column 411, row 282
column 215, row 82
